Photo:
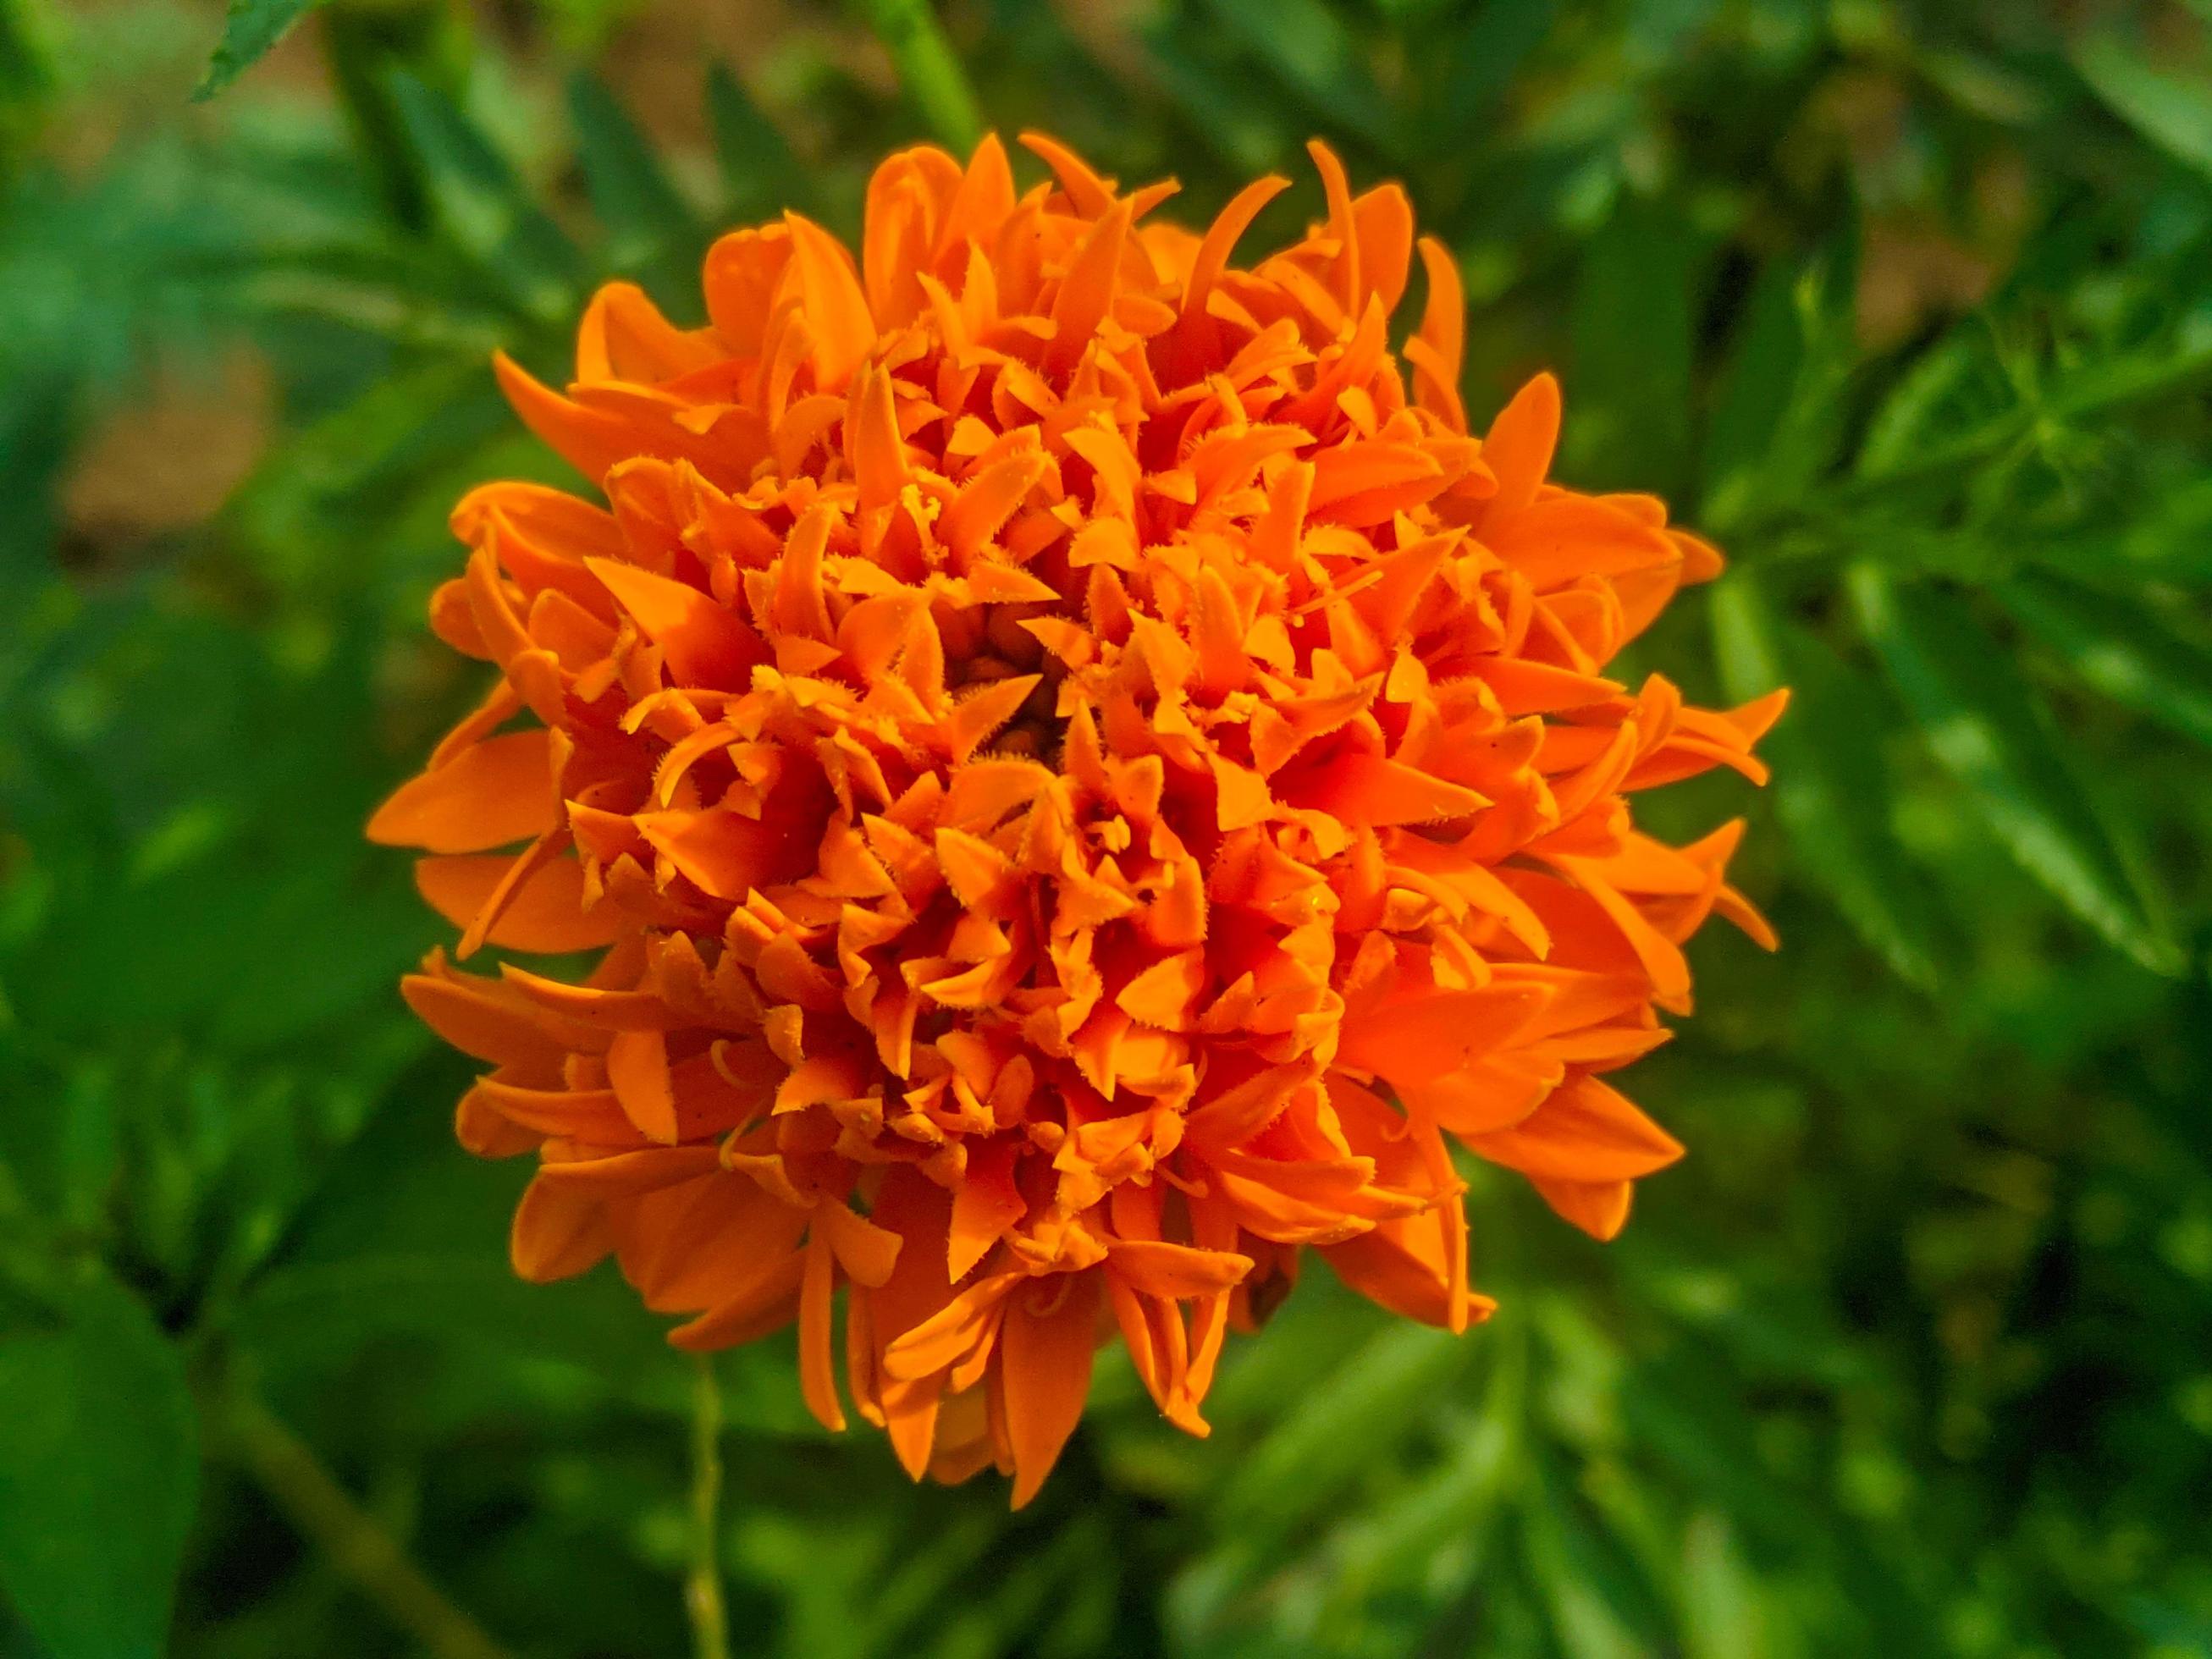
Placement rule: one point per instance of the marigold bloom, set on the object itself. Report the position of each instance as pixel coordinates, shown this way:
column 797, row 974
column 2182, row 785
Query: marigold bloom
column 1081, row 775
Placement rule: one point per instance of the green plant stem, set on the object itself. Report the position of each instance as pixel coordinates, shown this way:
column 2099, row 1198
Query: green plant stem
column 368, row 1556
column 928, row 68
column 703, row 1588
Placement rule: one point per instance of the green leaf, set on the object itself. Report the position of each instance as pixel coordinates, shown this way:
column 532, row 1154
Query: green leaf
column 1323, row 1442
column 97, row 1467
column 928, row 69
column 1483, row 59
column 1721, row 1611
column 1753, row 393
column 1635, row 317
column 482, row 205
column 1987, row 727
column 1601, row 1605
column 645, row 214
column 759, row 171
column 1778, row 418
column 2173, row 112
column 1308, row 49
column 2119, row 647
column 1952, row 386
column 1831, row 786
column 250, row 28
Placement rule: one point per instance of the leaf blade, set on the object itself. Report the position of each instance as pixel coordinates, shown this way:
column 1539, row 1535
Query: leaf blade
column 2117, row 647
column 2171, row 112
column 646, row 216
column 1988, row 728
column 1830, row 781
column 249, row 28
column 99, row 1443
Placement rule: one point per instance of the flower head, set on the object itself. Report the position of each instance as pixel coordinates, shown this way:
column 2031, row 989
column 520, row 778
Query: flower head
column 1083, row 777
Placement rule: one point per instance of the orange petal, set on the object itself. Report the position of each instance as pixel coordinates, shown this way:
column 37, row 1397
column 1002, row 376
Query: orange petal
column 1586, row 1132
column 1429, row 1034
column 984, row 1204
column 1366, row 788
column 1221, row 238
column 547, row 914
column 704, row 643
column 1086, row 292
column 817, row 1375
column 1600, row 1208
column 1519, row 447
column 1045, row 1357
column 491, row 794
column 558, row 1232
column 1174, row 1271
column 837, row 315
column 637, row 1067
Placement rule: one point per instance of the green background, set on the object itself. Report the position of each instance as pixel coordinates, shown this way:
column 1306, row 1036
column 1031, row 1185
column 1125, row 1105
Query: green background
column 1909, row 305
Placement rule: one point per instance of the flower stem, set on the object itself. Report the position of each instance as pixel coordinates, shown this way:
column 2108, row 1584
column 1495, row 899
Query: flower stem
column 311, row 1500
column 702, row 1588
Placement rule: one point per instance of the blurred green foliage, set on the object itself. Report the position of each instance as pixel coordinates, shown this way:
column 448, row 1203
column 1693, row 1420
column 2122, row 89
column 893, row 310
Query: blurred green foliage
column 1910, row 305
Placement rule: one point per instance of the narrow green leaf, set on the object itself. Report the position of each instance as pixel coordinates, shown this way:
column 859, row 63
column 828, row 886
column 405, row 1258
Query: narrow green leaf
column 250, row 28
column 1720, row 1611
column 1307, row 46
column 1482, row 60
column 1235, row 114
column 2172, row 111
column 29, row 75
column 98, row 1468
column 1602, row 1605
column 1951, row 387
column 1456, row 1500
column 1778, row 420
column 645, row 214
column 2119, row 647
column 362, row 47
column 928, row 69
column 41, row 393
column 1635, row 317
column 1366, row 1407
column 483, row 206
column 1753, row 393
column 1987, row 727
column 759, row 171
column 1831, row 786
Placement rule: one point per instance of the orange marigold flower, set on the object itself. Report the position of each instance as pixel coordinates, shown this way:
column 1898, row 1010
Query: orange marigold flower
column 1082, row 773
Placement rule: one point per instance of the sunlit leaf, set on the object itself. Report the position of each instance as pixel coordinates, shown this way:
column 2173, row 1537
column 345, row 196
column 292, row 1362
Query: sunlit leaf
column 1951, row 386
column 250, row 28
column 1720, row 1593
column 929, row 69
column 2172, row 110
column 1778, row 410
column 1987, row 726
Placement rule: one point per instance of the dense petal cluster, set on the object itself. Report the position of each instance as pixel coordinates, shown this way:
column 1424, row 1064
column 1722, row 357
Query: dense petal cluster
column 1082, row 775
